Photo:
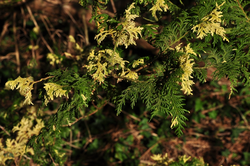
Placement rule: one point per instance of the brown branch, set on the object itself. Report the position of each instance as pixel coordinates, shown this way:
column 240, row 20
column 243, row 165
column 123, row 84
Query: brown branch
column 36, row 25
column 86, row 33
column 90, row 137
column 8, row 56
column 16, row 45
column 53, row 160
column 212, row 109
column 5, row 29
column 98, row 108
column 47, row 28
column 112, row 105
column 243, row 10
column 142, row 67
column 42, row 79
column 71, row 145
column 151, row 148
column 47, row 45
column 113, row 6
column 32, row 16
column 5, row 130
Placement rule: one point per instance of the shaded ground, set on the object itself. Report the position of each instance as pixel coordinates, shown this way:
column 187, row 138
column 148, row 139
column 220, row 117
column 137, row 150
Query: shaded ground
column 218, row 129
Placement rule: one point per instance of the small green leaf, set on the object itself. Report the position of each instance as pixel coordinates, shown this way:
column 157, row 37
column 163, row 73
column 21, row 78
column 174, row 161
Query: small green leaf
column 213, row 114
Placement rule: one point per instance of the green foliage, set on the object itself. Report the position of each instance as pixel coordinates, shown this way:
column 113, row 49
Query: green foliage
column 246, row 157
column 213, row 32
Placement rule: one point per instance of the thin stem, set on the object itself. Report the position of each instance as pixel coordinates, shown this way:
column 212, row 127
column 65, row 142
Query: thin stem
column 42, row 79
column 176, row 41
column 5, row 130
column 243, row 10
column 113, row 6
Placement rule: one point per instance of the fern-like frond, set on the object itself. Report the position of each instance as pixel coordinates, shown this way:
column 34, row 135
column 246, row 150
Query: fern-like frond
column 53, row 90
column 24, row 86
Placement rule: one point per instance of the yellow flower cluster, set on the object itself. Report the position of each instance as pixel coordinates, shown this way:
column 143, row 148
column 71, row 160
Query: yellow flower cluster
column 52, row 90
column 211, row 24
column 138, row 62
column 15, row 149
column 132, row 75
column 187, row 66
column 174, row 122
column 164, row 160
column 101, row 68
column 157, row 7
column 24, row 86
column 77, row 46
column 54, row 59
column 127, row 35
column 112, row 59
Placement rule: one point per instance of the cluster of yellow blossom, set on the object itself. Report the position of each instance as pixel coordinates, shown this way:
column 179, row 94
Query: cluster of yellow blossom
column 24, row 86
column 54, row 59
column 211, row 24
column 77, row 46
column 16, row 148
column 157, row 7
column 187, row 66
column 127, row 35
column 53, row 90
column 164, row 160
column 112, row 59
